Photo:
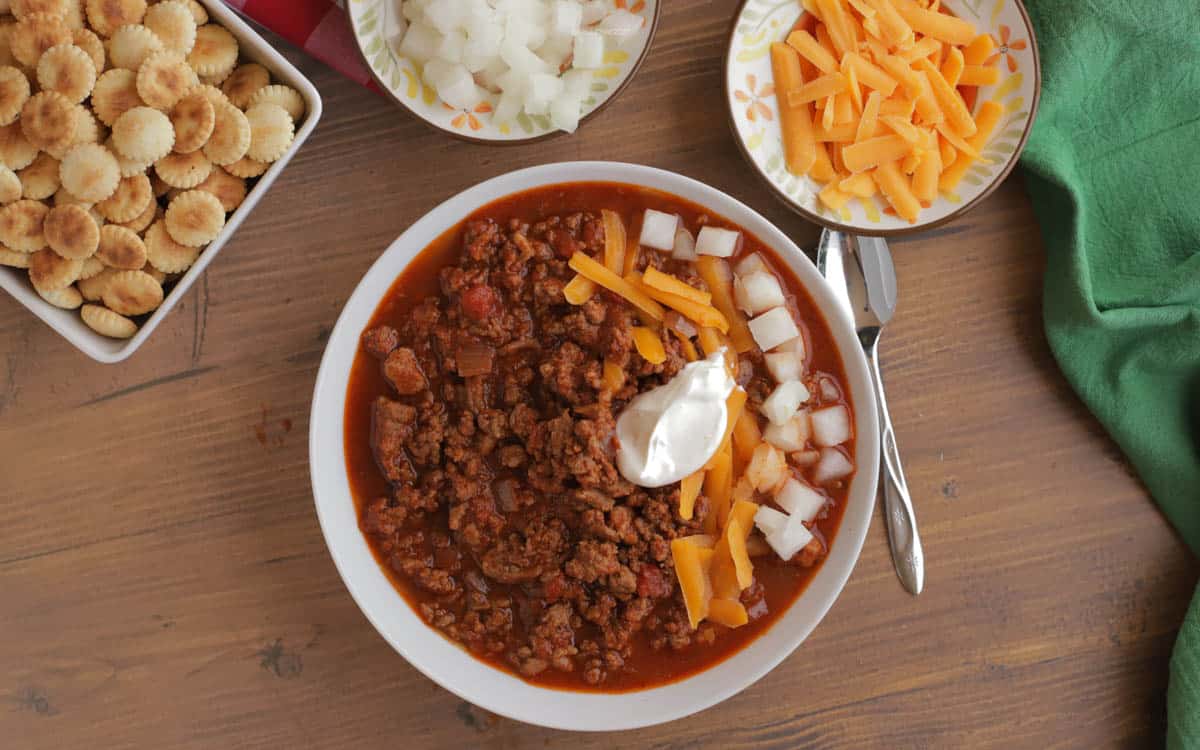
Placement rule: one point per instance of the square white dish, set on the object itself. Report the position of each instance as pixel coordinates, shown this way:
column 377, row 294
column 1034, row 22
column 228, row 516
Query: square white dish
column 103, row 349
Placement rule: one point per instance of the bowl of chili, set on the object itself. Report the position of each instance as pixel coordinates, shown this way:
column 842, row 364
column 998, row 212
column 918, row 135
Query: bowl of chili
column 478, row 610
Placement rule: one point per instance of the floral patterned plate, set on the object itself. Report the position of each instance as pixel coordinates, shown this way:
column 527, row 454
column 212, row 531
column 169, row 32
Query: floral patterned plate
column 754, row 114
column 376, row 26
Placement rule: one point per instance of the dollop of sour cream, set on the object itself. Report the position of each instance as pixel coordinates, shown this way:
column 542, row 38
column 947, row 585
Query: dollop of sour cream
column 672, row 431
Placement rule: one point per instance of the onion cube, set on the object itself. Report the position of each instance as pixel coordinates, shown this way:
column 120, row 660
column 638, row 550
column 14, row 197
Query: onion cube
column 789, row 540
column 784, row 366
column 520, row 59
column 564, row 113
column 556, row 51
column 799, row 500
column 832, row 465
column 760, row 292
column 621, row 24
column 543, row 89
column 446, row 15
column 594, row 11
column 589, row 50
column 522, row 30
column 483, row 47
column 452, row 47
column 795, row 346
column 457, row 88
column 831, row 425
column 438, row 73
column 791, row 436
column 658, row 230
column 685, row 245
column 748, row 265
column 566, row 16
column 414, row 12
column 773, row 328
column 767, row 519
column 577, row 83
column 767, row 467
column 719, row 242
column 508, row 107
column 784, row 401
column 420, row 43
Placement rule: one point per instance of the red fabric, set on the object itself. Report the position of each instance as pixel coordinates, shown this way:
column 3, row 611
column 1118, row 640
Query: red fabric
column 319, row 27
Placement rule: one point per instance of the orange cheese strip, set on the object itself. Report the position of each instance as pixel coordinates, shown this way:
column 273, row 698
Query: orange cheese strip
column 746, row 436
column 822, row 169
column 926, row 102
column 718, row 488
column 834, row 16
column 689, row 490
column 719, row 280
column 579, row 290
column 833, row 197
column 949, row 100
column 743, row 512
column 895, row 187
column 693, row 579
column 860, row 185
column 893, row 25
column 703, row 315
column 826, row 85
column 987, row 119
column 843, row 109
column 735, row 403
column 585, row 266
column 870, row 117
column 952, row 66
column 869, row 74
column 666, row 283
column 925, row 179
column 898, row 107
column 923, row 48
column 979, row 75
column 979, row 50
column 808, row 46
column 901, row 127
column 947, row 151
column 649, row 345
column 614, row 241
column 794, row 120
column 960, row 144
column 735, row 537
column 727, row 612
column 940, row 26
column 870, row 153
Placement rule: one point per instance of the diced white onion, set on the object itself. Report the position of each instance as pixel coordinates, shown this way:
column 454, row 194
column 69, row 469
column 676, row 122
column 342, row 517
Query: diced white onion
column 832, row 465
column 566, row 16
column 577, row 83
column 784, row 401
column 829, row 390
column 767, row 519
column 717, row 241
column 767, row 468
column 685, row 245
column 790, row 436
column 509, row 106
column 760, row 292
column 589, row 50
column 830, row 425
column 773, row 327
column 622, row 24
column 445, row 16
column 795, row 346
column 543, row 89
column 420, row 43
column 452, row 46
column 594, row 11
column 564, row 113
column 458, row 88
column 789, row 540
column 784, row 366
column 748, row 265
column 799, row 500
column 658, row 230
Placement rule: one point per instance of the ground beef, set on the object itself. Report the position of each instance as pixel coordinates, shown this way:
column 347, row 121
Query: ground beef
column 506, row 510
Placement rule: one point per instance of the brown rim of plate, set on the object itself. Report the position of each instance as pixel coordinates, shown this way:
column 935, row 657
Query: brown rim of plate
column 383, row 88
column 918, row 228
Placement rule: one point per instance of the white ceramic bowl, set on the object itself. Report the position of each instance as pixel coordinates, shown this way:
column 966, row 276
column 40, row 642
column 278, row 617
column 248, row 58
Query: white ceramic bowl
column 451, row 666
column 753, row 114
column 103, row 349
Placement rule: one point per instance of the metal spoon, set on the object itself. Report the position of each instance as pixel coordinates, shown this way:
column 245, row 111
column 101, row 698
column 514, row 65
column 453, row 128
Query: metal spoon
column 861, row 273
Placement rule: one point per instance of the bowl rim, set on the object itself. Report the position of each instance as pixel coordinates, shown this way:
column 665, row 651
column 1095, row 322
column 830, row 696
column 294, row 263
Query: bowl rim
column 919, row 227
column 445, row 662
column 384, row 89
column 100, row 348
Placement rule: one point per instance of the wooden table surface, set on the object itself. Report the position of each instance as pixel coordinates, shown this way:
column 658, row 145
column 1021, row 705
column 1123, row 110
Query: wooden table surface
column 164, row 582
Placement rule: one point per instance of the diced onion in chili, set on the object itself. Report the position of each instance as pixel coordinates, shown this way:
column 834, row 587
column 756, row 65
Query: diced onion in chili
column 658, row 229
column 767, row 467
column 799, row 500
column 784, row 401
column 831, row 466
column 831, row 425
column 474, row 358
column 685, row 245
column 773, row 328
column 767, row 519
column 758, row 292
column 829, row 389
column 790, row 539
column 748, row 265
column 718, row 242
column 790, row 436
column 679, row 324
column 784, row 366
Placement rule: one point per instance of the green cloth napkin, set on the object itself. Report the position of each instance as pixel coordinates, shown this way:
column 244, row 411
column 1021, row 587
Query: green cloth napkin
column 1113, row 170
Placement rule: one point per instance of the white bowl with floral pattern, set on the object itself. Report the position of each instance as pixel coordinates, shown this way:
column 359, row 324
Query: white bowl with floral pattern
column 376, row 27
column 753, row 113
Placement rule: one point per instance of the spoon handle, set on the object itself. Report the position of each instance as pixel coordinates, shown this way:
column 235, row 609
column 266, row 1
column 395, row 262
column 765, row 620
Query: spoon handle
column 905, row 541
